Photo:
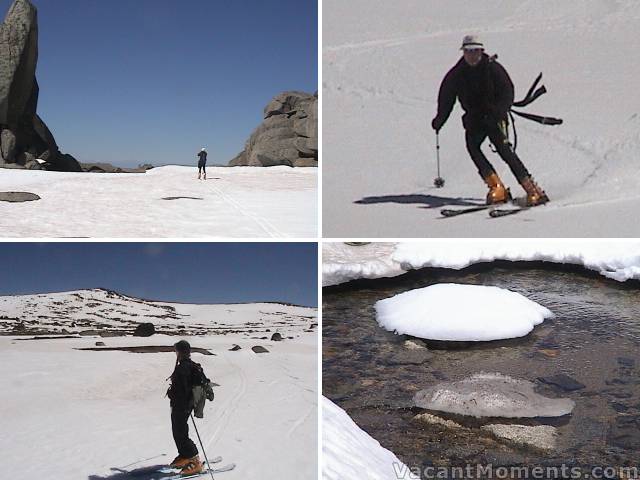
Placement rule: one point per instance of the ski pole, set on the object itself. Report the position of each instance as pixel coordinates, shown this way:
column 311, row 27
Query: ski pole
column 439, row 181
column 202, row 446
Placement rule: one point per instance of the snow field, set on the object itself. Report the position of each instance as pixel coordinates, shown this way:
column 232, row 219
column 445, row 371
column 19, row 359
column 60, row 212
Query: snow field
column 275, row 202
column 74, row 414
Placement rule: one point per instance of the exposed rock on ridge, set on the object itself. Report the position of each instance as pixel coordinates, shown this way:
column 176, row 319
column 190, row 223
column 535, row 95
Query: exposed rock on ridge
column 24, row 137
column 287, row 136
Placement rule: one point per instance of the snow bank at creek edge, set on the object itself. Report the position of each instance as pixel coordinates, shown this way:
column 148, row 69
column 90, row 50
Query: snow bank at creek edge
column 348, row 452
column 615, row 259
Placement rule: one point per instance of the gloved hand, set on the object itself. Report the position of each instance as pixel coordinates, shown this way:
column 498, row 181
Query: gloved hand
column 437, row 124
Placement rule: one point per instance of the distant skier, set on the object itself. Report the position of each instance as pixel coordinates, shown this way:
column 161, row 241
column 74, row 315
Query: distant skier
column 486, row 94
column 181, row 400
column 202, row 163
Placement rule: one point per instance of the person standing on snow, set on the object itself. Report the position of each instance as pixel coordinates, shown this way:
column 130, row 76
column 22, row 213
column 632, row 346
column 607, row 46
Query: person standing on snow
column 202, row 163
column 486, row 94
column 180, row 395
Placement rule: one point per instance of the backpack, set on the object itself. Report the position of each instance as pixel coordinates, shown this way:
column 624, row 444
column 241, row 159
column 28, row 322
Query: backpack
column 202, row 389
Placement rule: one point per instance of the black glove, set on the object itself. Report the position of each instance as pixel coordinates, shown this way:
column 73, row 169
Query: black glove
column 437, row 124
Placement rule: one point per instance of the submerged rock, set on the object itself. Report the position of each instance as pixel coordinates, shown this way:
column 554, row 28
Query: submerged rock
column 491, row 395
column 410, row 357
column 562, row 381
column 542, row 437
column 434, row 420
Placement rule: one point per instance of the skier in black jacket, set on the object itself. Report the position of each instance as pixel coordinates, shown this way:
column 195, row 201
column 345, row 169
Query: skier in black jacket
column 202, row 163
column 485, row 92
column 181, row 400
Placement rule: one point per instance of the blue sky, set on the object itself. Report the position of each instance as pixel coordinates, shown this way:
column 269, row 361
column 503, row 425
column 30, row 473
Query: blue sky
column 182, row 272
column 153, row 81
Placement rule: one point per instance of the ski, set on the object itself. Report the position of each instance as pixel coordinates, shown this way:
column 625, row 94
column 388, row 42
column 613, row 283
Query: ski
column 503, row 212
column 214, row 471
column 454, row 212
column 167, row 472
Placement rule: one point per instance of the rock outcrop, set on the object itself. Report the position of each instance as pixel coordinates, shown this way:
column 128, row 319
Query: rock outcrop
column 287, row 136
column 24, row 137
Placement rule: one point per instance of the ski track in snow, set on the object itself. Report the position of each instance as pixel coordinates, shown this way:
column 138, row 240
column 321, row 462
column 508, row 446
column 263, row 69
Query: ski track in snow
column 224, row 414
column 263, row 223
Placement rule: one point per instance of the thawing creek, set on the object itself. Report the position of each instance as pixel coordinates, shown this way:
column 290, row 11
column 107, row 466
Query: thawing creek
column 594, row 338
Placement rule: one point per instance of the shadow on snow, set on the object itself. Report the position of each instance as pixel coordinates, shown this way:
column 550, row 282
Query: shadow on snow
column 429, row 201
column 152, row 472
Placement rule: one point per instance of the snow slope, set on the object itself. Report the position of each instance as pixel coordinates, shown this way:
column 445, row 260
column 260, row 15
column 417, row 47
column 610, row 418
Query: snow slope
column 615, row 259
column 235, row 202
column 72, row 414
column 382, row 66
column 350, row 453
column 105, row 310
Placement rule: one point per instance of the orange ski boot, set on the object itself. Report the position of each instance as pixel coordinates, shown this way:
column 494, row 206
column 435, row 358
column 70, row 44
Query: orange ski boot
column 498, row 193
column 194, row 466
column 179, row 462
column 535, row 195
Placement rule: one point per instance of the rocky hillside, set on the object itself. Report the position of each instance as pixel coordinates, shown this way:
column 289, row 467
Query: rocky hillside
column 105, row 312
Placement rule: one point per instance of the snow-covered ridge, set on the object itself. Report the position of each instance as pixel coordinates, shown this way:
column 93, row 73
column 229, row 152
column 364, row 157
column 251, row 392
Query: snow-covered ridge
column 615, row 259
column 81, row 310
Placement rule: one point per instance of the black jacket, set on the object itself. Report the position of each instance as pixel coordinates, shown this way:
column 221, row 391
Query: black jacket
column 484, row 91
column 180, row 392
column 203, row 157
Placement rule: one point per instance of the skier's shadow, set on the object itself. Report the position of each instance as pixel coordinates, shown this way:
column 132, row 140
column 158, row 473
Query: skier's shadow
column 151, row 472
column 428, row 201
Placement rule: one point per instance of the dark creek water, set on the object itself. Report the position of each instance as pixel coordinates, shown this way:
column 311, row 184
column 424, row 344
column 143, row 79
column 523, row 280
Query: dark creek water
column 594, row 339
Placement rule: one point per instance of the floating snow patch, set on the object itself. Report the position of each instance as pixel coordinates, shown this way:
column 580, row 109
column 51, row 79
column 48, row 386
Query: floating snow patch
column 464, row 313
column 350, row 453
column 491, row 395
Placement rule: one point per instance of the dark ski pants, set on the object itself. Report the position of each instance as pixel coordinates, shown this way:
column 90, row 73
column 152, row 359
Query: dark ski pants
column 180, row 428
column 202, row 168
column 474, row 137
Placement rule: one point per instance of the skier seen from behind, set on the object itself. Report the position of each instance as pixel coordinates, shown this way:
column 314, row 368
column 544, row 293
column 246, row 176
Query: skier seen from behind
column 181, row 400
column 486, row 94
column 202, row 163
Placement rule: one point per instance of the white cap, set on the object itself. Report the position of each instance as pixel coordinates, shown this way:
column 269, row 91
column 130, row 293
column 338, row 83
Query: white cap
column 203, row 149
column 471, row 42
